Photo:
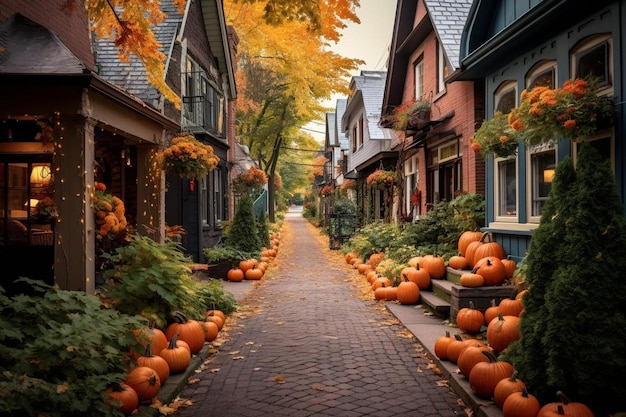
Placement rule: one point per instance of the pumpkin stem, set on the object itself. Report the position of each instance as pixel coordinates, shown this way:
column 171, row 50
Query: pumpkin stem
column 525, row 392
column 493, row 302
column 447, row 333
column 564, row 399
column 179, row 317
column 172, row 344
column 458, row 337
column 116, row 386
column 471, row 305
column 492, row 358
column 148, row 353
column 513, row 377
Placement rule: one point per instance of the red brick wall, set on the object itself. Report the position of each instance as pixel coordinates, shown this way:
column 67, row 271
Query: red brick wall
column 70, row 26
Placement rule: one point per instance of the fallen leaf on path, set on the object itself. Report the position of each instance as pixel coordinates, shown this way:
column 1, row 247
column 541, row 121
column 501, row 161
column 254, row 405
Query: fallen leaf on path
column 234, row 352
column 279, row 379
column 193, row 381
column 442, row 383
column 238, row 358
column 318, row 387
column 214, row 370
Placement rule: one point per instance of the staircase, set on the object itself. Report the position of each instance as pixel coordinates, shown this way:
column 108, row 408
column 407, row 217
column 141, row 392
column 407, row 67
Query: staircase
column 446, row 296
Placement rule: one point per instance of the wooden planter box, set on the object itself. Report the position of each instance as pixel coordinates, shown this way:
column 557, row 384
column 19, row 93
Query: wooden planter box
column 219, row 270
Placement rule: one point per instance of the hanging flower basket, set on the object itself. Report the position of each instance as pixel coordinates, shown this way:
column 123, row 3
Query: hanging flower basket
column 348, row 185
column 411, row 115
column 188, row 157
column 327, row 190
column 495, row 136
column 381, row 179
column 574, row 111
column 250, row 181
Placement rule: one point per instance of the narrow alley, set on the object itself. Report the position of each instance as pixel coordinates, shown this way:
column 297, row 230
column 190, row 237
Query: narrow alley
column 309, row 345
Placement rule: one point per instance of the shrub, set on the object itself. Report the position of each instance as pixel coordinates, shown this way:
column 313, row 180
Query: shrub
column 243, row 232
column 59, row 351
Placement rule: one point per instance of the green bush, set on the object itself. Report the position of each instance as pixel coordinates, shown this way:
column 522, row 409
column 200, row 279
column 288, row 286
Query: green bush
column 243, row 233
column 263, row 229
column 211, row 295
column 225, row 253
column 59, row 351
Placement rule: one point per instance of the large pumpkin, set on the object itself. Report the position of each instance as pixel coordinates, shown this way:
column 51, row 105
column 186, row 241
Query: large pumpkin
column 484, row 376
column 144, row 381
column 465, row 239
column 408, row 292
column 155, row 362
column 511, row 307
column 506, row 387
column 435, row 265
column 502, row 331
column 177, row 357
column 123, row 398
column 565, row 408
column 417, row 275
column 470, row 356
column 486, row 246
column 520, row 404
column 189, row 331
column 470, row 319
column 491, row 269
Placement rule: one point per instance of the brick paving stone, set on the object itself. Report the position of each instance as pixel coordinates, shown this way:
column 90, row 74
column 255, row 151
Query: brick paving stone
column 335, row 353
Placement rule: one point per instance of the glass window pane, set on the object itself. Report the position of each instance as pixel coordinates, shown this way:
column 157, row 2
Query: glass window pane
column 542, row 169
column 506, row 101
column 507, row 180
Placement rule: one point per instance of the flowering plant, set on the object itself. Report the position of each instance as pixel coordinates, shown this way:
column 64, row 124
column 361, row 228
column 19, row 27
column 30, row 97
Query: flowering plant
column 348, row 185
column 381, row 178
column 45, row 210
column 574, row 111
column 495, row 136
column 327, row 189
column 188, row 157
column 249, row 181
column 402, row 115
column 110, row 213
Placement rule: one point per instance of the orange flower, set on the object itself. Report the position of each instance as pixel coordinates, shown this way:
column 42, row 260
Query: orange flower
column 570, row 124
column 504, row 139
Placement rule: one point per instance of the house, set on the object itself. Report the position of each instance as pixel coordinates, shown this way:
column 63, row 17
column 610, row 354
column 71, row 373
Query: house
column 436, row 162
column 369, row 145
column 336, row 143
column 199, row 68
column 511, row 46
column 62, row 125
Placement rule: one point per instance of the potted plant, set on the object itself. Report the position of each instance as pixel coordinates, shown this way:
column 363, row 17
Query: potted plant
column 222, row 258
column 495, row 136
column 412, row 114
column 188, row 157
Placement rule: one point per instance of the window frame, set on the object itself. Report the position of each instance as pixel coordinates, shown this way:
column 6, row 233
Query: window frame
column 418, row 78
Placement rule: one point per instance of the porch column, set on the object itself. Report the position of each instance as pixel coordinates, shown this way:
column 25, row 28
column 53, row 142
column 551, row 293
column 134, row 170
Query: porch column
column 74, row 252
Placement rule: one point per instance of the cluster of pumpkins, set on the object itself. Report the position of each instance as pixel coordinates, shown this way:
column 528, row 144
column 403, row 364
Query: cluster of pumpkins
column 415, row 276
column 254, row 269
column 489, row 377
column 166, row 352
column 485, row 259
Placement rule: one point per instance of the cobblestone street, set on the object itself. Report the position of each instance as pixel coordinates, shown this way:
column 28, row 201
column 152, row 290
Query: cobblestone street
column 306, row 343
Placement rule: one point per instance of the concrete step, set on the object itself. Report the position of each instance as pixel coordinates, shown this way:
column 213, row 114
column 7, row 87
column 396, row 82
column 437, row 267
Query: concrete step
column 432, row 302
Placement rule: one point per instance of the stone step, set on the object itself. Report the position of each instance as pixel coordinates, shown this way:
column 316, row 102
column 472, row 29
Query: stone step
column 432, row 302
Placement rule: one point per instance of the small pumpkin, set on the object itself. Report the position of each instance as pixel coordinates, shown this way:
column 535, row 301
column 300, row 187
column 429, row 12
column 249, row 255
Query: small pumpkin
column 521, row 404
column 214, row 318
column 350, row 256
column 511, row 307
column 177, row 357
column 155, row 362
column 123, row 398
column 364, row 268
column 471, row 280
column 215, row 312
column 492, row 311
column 457, row 262
column 469, row 319
column 380, row 293
column 408, row 292
column 502, row 331
column 210, row 330
column 509, row 266
column 565, row 407
column 235, row 275
column 456, row 347
column 145, row 382
column 506, row 387
column 441, row 346
column 254, row 274
column 246, row 264
column 484, row 376
column 189, row 331
column 378, row 282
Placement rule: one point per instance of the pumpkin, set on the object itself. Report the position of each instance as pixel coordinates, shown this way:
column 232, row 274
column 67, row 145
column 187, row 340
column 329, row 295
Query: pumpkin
column 465, row 239
column 492, row 311
column 210, row 330
column 371, row 276
column 155, row 336
column 509, row 265
column 177, row 357
column 155, row 362
column 246, row 264
column 469, row 319
column 415, row 261
column 215, row 312
column 457, row 262
column 435, row 265
column 254, row 274
column 568, row 408
column 189, row 331
column 123, row 398
column 145, row 382
column 470, row 279
column 456, row 347
column 502, row 331
column 375, row 259
column 350, row 256
column 419, row 276
column 214, row 318
column 235, row 275
column 470, row 356
column 408, row 292
column 506, row 387
column 484, row 376
column 380, row 293
column 511, row 307
column 441, row 346
column 491, row 269
column 521, row 404
column 378, row 282
column 484, row 247
column 363, row 268
column 520, row 295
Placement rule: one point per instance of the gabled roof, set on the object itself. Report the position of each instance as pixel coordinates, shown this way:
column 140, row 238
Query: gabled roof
column 217, row 34
column 369, row 86
column 342, row 138
column 30, row 48
column 448, row 18
column 131, row 75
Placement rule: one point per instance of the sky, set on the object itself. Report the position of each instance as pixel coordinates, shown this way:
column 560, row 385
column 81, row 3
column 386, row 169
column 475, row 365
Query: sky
column 369, row 41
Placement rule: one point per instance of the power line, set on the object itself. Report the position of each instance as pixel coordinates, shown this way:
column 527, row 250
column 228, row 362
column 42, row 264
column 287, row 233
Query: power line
column 311, row 130
column 303, row 150
column 300, row 163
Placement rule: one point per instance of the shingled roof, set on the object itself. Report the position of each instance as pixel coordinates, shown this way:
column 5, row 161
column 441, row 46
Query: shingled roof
column 342, row 138
column 449, row 17
column 131, row 76
column 372, row 86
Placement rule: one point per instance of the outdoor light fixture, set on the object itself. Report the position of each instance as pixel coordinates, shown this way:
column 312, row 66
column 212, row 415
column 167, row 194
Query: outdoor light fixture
column 40, row 176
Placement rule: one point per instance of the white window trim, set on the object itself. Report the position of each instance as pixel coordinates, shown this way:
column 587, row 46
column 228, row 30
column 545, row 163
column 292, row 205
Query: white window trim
column 529, row 177
column 499, row 218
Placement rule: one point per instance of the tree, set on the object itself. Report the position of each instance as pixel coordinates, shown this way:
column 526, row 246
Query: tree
column 243, row 234
column 575, row 334
column 129, row 25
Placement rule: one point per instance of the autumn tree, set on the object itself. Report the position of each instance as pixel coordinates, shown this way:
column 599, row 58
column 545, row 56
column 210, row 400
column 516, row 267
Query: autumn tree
column 285, row 70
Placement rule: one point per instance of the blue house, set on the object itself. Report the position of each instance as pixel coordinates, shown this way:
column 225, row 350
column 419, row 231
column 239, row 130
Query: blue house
column 515, row 45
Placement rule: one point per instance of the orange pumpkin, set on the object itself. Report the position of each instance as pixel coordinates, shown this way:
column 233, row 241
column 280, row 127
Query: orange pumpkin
column 506, row 387
column 246, row 264
column 210, row 330
column 419, row 276
column 123, row 397
column 456, row 347
column 470, row 319
column 235, row 275
column 470, row 356
column 177, row 356
column 509, row 265
column 435, row 265
column 441, row 346
column 509, row 307
column 521, row 404
column 189, row 331
column 457, row 262
column 502, row 331
column 378, row 282
column 484, row 247
column 491, row 312
column 145, row 382
column 491, row 269
column 469, row 279
column 155, row 336
column 466, row 238
column 254, row 274
column 155, row 362
column 408, row 292
column 484, row 376
column 567, row 407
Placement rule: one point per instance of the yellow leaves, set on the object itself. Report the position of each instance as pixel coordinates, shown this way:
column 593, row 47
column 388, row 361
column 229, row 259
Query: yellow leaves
column 171, row 408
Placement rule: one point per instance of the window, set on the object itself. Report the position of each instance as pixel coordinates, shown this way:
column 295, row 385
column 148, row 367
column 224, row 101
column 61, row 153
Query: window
column 213, row 195
column 411, row 175
column 543, row 75
column 353, row 139
column 506, row 97
column 443, row 69
column 203, row 104
column 360, row 133
column 418, row 72
column 594, row 62
column 506, row 188
column 542, row 164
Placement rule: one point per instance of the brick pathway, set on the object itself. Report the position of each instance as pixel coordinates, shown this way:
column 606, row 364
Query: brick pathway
column 313, row 347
